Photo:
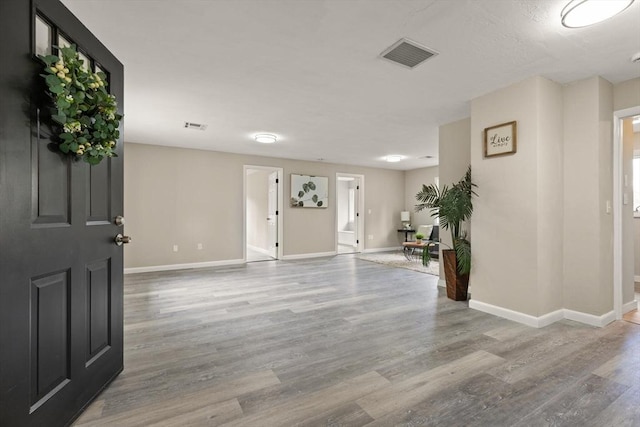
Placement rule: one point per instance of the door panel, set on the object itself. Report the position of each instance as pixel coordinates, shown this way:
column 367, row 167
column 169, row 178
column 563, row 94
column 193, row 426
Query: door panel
column 98, row 309
column 51, row 180
column 98, row 200
column 50, row 320
column 60, row 272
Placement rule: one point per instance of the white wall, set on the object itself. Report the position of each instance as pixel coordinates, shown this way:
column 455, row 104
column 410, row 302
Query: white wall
column 257, row 208
column 628, row 241
column 184, row 197
column 636, row 220
column 413, row 182
column 342, row 205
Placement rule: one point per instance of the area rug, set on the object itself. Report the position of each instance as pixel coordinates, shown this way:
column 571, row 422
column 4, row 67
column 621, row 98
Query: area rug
column 397, row 259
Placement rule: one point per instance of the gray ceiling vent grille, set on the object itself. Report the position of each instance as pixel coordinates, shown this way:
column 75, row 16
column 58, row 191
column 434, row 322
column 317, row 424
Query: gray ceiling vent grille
column 195, row 126
column 408, row 53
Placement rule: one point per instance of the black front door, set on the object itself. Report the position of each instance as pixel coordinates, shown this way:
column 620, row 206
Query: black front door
column 60, row 270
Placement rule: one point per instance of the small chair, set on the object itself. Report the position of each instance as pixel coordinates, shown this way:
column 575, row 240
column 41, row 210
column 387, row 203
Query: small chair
column 411, row 250
column 434, row 237
column 425, row 230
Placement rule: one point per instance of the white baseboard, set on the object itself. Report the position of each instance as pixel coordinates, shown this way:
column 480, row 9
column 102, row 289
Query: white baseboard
column 516, row 316
column 636, row 278
column 630, row 306
column 442, row 283
column 310, row 255
column 546, row 319
column 590, row 319
column 374, row 250
column 187, row 266
column 260, row 250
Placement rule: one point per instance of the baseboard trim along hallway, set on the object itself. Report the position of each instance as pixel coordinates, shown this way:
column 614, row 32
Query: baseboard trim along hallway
column 546, row 319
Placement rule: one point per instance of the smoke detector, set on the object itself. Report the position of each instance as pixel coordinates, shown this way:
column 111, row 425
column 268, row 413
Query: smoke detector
column 195, row 126
column 408, row 53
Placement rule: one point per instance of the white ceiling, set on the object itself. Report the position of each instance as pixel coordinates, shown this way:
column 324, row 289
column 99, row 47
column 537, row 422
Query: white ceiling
column 309, row 71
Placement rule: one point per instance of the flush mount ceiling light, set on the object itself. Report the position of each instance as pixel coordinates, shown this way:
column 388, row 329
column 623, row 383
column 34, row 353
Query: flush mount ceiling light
column 582, row 13
column 394, row 158
column 266, row 138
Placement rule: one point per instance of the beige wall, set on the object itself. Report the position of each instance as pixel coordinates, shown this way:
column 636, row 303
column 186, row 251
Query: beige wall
column 413, row 182
column 185, row 197
column 587, row 176
column 257, row 208
column 626, row 94
column 454, row 154
column 516, row 260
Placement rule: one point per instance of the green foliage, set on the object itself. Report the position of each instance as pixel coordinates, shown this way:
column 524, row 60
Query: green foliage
column 453, row 206
column 419, row 236
column 86, row 114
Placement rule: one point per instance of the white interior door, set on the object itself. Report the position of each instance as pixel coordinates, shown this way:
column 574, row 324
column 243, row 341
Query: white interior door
column 272, row 216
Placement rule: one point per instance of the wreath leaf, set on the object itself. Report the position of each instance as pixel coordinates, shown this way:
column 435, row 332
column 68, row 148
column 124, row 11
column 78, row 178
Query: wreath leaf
column 85, row 117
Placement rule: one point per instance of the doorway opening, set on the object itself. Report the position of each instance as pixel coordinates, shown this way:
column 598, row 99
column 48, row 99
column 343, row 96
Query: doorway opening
column 263, row 190
column 349, row 222
column 624, row 223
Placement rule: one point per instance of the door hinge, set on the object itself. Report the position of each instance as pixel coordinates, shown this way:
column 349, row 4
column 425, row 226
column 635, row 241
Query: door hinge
column 276, row 244
column 277, row 180
column 276, row 212
column 357, row 242
column 357, row 187
column 358, row 214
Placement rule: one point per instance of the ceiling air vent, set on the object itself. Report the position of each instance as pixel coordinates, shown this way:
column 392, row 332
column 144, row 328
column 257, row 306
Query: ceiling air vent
column 408, row 53
column 196, row 126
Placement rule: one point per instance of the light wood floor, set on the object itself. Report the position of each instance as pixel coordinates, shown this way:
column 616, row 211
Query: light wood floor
column 345, row 342
column 634, row 315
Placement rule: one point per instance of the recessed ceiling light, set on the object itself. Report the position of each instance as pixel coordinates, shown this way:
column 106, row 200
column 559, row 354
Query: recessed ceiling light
column 266, row 138
column 582, row 13
column 393, row 158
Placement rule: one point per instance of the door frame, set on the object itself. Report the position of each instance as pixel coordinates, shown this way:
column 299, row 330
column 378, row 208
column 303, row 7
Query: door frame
column 279, row 222
column 618, row 117
column 359, row 217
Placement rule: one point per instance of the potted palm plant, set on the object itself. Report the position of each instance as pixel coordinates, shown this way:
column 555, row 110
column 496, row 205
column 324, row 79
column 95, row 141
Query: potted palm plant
column 452, row 205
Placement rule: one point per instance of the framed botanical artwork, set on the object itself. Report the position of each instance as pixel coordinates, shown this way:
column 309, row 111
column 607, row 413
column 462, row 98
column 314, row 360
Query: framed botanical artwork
column 501, row 139
column 309, row 191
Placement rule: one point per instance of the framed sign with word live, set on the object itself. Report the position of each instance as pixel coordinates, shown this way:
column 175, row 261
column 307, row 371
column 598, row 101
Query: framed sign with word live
column 500, row 140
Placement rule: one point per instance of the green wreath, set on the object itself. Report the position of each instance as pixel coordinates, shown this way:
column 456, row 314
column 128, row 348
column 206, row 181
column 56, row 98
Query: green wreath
column 86, row 118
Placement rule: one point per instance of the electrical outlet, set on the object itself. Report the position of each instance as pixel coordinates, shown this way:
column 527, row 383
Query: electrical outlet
column 199, row 246
column 175, row 248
